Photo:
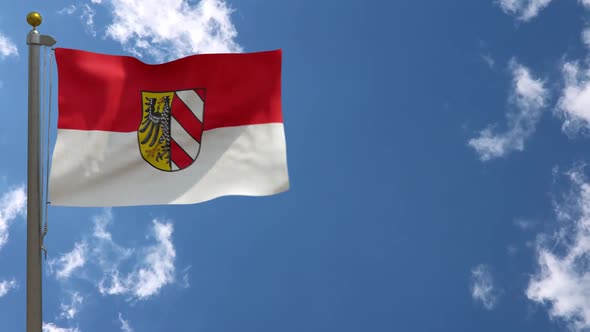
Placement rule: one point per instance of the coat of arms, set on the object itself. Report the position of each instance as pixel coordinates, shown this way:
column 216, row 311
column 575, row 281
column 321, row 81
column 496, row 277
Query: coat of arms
column 171, row 128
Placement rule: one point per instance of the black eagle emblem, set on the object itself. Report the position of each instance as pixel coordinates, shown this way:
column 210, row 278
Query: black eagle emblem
column 155, row 121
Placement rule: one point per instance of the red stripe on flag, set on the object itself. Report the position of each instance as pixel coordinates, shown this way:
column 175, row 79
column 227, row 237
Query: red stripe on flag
column 187, row 119
column 201, row 93
column 179, row 156
column 103, row 92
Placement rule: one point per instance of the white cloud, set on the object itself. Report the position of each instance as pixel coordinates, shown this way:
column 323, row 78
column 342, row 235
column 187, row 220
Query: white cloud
column 100, row 225
column 512, row 249
column 157, row 268
column 482, row 286
column 12, row 204
column 525, row 224
column 574, row 103
column 179, row 28
column 115, row 287
column 185, row 277
column 7, row 47
column 125, row 327
column 528, row 9
column 586, row 37
column 488, row 60
column 527, row 100
column 6, row 286
column 69, row 10
column 137, row 273
column 86, row 15
column 107, row 253
column 563, row 279
column 51, row 327
column 154, row 271
column 66, row 264
column 524, row 9
column 69, row 311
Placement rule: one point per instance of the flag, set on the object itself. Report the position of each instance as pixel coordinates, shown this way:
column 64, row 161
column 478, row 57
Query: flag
column 180, row 132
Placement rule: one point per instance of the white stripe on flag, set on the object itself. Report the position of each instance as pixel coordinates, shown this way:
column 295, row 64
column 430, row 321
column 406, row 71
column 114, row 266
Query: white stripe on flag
column 173, row 166
column 182, row 138
column 191, row 99
column 108, row 170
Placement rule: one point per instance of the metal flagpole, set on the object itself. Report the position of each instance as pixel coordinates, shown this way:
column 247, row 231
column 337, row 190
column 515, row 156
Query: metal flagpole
column 34, row 307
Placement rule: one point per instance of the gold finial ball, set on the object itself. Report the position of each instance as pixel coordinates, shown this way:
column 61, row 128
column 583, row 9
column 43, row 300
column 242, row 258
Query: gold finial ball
column 34, row 19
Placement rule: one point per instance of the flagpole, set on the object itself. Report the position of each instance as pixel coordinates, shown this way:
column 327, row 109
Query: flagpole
column 34, row 290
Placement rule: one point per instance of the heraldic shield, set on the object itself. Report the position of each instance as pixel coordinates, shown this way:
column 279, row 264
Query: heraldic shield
column 171, row 128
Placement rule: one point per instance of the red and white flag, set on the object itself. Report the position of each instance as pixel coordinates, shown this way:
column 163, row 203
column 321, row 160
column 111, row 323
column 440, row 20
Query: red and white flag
column 181, row 132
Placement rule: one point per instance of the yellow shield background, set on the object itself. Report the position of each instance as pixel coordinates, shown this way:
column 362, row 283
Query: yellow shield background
column 153, row 150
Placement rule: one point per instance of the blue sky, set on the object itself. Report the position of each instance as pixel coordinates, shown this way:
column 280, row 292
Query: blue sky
column 437, row 156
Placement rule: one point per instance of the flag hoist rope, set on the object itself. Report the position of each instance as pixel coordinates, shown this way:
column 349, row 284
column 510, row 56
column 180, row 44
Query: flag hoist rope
column 34, row 314
column 45, row 133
